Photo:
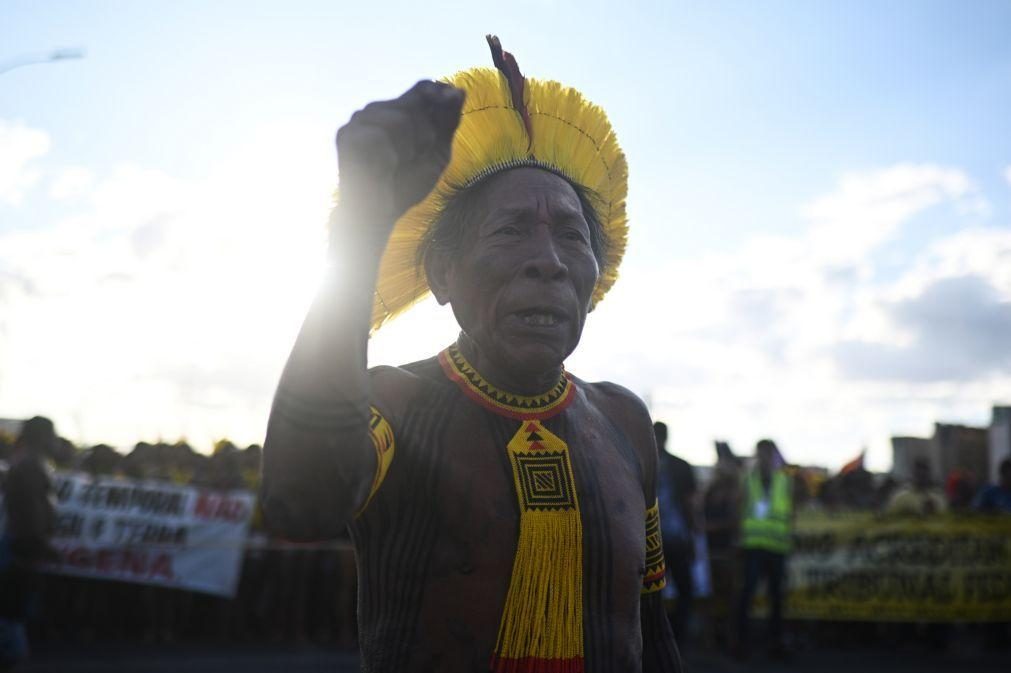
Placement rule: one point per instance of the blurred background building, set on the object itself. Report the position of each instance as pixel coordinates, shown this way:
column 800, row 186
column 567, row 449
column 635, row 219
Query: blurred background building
column 1000, row 438
column 10, row 426
column 957, row 448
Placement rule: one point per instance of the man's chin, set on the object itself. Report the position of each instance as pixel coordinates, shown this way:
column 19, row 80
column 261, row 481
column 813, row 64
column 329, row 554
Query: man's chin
column 535, row 357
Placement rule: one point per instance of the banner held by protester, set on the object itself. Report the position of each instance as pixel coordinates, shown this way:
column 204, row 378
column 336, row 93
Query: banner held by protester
column 150, row 532
column 862, row 567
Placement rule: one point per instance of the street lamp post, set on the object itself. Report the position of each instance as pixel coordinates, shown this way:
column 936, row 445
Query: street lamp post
column 32, row 59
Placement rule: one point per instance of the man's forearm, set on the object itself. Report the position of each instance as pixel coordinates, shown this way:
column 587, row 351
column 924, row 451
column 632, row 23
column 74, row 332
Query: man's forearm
column 659, row 651
column 318, row 460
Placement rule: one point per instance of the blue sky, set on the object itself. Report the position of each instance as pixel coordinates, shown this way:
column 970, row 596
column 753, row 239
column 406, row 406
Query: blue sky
column 819, row 193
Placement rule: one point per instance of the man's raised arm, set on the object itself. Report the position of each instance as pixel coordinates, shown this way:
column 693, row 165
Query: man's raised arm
column 318, row 460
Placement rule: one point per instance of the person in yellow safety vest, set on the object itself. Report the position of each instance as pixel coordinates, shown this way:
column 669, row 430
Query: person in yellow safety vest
column 766, row 525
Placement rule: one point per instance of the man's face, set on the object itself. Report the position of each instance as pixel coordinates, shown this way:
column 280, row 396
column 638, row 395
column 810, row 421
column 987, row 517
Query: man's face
column 521, row 285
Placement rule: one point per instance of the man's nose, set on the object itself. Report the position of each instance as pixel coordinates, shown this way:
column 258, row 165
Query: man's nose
column 543, row 262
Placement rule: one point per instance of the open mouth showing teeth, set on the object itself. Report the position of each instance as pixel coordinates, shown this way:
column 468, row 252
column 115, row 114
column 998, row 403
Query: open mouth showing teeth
column 539, row 319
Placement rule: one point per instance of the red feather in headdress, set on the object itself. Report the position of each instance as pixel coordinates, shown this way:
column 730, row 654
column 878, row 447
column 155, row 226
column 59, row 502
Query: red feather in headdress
column 507, row 65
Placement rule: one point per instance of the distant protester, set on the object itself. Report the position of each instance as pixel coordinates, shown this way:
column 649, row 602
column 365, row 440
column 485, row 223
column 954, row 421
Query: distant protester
column 30, row 520
column 960, row 487
column 721, row 513
column 766, row 527
column 919, row 498
column 996, row 498
column 676, row 490
column 856, row 489
column 884, row 492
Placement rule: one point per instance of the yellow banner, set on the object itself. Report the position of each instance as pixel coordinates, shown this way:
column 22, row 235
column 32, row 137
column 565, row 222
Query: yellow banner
column 864, row 567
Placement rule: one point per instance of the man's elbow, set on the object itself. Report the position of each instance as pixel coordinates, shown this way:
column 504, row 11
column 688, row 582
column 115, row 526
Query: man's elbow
column 311, row 489
column 298, row 521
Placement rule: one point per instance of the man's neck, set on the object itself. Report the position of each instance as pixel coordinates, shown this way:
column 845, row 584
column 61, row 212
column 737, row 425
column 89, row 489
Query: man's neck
column 502, row 377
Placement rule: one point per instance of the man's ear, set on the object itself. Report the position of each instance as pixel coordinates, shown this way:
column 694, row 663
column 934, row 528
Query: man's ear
column 438, row 268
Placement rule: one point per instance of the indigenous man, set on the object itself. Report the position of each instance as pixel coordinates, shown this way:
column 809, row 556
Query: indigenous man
column 502, row 510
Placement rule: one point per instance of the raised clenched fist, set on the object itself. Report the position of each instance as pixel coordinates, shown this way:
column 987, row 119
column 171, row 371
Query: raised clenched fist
column 391, row 154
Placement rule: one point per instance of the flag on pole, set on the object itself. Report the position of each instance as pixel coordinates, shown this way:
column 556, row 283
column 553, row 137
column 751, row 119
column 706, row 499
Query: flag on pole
column 854, row 465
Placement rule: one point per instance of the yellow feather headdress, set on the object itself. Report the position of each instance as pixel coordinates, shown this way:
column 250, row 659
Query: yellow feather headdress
column 567, row 135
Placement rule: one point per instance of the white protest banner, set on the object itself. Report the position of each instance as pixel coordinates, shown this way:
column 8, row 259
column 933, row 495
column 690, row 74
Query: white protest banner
column 150, row 532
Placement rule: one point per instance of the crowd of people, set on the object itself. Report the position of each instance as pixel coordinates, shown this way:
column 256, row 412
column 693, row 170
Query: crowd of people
column 306, row 593
column 744, row 517
column 286, row 592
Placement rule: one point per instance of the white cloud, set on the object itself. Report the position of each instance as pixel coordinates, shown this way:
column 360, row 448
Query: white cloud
column 162, row 307
column 983, row 251
column 866, row 209
column 959, row 325
column 19, row 146
column 156, row 306
column 71, row 183
column 743, row 345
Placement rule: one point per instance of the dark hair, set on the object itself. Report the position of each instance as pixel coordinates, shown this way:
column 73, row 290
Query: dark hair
column 37, row 434
column 448, row 232
column 766, row 445
column 660, row 432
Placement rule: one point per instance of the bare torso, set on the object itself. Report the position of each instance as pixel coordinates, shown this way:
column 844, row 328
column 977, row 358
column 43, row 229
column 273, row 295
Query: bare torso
column 436, row 543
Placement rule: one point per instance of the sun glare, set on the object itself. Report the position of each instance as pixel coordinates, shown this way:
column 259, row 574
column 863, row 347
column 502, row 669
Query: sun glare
column 421, row 332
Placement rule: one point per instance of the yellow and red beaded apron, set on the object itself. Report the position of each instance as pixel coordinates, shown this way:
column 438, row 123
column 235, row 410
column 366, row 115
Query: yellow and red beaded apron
column 542, row 622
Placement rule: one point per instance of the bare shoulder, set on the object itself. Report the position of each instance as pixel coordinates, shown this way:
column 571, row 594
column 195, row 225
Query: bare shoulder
column 393, row 382
column 615, row 399
column 625, row 408
column 629, row 413
column 394, row 390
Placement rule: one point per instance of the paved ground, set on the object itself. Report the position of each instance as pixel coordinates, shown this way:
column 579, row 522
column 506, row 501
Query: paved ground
column 192, row 659
column 273, row 659
column 870, row 661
